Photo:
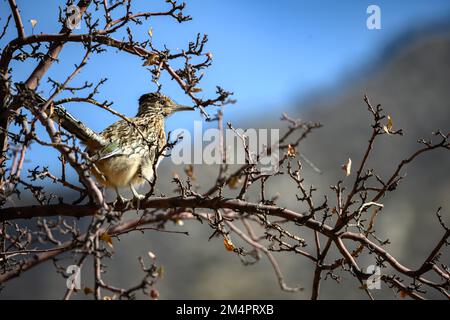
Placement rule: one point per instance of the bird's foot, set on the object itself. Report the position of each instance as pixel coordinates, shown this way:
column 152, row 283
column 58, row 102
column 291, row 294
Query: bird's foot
column 138, row 197
column 120, row 200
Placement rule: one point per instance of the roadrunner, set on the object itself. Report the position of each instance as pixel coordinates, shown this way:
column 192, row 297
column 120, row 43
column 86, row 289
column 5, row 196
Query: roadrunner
column 124, row 154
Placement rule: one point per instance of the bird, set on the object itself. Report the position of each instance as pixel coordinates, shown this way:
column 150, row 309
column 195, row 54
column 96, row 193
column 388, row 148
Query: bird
column 124, row 154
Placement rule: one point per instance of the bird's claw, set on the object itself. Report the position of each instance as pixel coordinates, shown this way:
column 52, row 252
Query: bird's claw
column 138, row 197
column 120, row 200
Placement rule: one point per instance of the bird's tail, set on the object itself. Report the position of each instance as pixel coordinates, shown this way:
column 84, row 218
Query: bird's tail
column 67, row 121
column 76, row 127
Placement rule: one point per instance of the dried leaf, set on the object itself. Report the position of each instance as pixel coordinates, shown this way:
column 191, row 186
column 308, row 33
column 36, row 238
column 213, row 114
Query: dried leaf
column 389, row 125
column 88, row 291
column 107, row 238
column 107, row 298
column 153, row 59
column 388, row 128
column 189, row 170
column 150, row 32
column 33, row 23
column 347, row 167
column 179, row 222
column 50, row 110
column 403, row 294
column 363, row 287
column 234, row 182
column 154, row 294
column 228, row 244
column 290, row 151
column 160, row 272
column 194, row 90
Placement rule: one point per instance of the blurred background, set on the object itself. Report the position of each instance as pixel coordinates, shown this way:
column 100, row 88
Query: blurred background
column 312, row 59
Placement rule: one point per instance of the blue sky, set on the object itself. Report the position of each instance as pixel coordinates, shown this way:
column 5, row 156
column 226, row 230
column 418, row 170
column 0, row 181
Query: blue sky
column 269, row 53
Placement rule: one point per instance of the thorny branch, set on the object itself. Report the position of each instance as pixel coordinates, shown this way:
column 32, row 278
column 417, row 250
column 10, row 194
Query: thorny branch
column 56, row 232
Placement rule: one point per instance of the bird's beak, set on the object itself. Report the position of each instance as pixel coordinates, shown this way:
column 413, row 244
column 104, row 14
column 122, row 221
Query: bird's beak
column 180, row 107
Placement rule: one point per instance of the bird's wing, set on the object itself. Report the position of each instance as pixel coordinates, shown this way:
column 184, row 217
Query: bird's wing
column 110, row 150
column 124, row 140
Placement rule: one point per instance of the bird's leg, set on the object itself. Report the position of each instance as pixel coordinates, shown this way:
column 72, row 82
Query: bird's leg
column 119, row 198
column 136, row 195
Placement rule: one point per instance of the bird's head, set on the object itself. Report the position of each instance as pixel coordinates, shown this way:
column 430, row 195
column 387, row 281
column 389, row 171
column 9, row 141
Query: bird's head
column 159, row 104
